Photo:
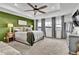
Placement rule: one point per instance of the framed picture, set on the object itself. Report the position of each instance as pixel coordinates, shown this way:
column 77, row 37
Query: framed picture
column 22, row 22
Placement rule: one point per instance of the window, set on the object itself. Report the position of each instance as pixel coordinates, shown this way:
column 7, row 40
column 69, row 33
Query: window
column 48, row 27
column 58, row 27
column 58, row 22
column 39, row 23
column 48, row 22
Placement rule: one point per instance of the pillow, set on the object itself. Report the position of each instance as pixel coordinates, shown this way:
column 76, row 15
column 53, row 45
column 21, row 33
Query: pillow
column 28, row 29
column 18, row 29
column 22, row 29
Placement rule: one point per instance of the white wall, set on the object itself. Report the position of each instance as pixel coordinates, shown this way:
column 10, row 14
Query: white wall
column 68, row 18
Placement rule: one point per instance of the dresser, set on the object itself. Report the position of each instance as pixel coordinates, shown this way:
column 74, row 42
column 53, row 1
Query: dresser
column 73, row 39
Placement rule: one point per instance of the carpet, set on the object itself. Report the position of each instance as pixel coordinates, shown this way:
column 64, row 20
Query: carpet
column 48, row 46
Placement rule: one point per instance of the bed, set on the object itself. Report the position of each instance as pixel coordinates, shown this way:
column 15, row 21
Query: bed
column 29, row 37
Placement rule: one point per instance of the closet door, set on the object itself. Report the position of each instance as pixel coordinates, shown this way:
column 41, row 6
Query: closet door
column 48, row 27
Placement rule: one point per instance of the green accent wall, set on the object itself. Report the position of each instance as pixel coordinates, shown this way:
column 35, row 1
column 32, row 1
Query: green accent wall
column 6, row 18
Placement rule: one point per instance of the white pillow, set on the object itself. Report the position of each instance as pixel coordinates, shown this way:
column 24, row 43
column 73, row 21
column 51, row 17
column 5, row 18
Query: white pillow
column 18, row 29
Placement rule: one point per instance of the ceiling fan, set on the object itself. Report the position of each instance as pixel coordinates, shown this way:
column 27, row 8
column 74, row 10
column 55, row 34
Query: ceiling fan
column 36, row 8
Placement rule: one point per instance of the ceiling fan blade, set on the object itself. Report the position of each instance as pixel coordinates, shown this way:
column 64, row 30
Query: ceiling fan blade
column 42, row 7
column 41, row 11
column 35, row 12
column 28, row 10
column 30, row 5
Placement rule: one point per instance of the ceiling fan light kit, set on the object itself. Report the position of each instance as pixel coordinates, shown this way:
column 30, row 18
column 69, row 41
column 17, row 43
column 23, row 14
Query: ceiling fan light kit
column 36, row 8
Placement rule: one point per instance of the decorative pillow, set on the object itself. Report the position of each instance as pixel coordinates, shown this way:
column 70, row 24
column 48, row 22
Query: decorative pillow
column 28, row 29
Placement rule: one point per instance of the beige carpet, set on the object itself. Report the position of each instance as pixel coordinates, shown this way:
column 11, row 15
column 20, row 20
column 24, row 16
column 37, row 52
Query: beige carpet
column 47, row 46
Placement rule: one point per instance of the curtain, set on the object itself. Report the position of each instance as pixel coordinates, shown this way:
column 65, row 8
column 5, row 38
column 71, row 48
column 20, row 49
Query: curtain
column 53, row 27
column 63, row 27
column 43, row 26
column 36, row 24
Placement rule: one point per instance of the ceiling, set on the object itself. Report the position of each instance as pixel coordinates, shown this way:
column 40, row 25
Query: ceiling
column 52, row 9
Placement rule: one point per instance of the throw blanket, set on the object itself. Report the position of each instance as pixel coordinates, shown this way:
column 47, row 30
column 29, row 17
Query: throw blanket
column 30, row 38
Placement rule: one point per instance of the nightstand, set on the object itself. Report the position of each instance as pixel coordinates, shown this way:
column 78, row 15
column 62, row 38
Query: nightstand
column 77, row 52
column 10, row 37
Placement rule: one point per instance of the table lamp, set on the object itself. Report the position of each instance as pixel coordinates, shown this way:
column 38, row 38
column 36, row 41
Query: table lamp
column 10, row 27
column 31, row 26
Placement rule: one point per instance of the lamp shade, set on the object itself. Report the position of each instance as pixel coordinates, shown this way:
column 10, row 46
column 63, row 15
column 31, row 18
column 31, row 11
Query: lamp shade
column 31, row 26
column 10, row 25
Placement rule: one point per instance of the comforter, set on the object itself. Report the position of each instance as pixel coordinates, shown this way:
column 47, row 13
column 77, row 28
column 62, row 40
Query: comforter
column 29, row 37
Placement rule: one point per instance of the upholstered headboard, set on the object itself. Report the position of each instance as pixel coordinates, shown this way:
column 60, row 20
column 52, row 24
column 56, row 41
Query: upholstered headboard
column 22, row 29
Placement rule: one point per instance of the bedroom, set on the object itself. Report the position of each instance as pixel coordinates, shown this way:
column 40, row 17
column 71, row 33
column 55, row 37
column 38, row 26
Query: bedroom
column 38, row 28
